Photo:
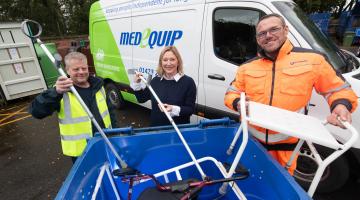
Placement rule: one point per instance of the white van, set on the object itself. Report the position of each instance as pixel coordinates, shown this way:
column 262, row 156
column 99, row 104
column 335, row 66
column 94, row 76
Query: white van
column 214, row 37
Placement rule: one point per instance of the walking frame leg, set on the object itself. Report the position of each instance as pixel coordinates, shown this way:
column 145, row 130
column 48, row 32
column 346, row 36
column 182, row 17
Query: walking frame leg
column 233, row 143
column 245, row 134
column 296, row 151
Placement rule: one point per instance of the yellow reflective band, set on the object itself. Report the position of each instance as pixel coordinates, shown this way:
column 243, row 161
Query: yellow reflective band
column 75, row 137
column 74, row 120
column 105, row 113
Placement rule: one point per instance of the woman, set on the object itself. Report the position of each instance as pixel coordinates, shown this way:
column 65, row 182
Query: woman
column 176, row 91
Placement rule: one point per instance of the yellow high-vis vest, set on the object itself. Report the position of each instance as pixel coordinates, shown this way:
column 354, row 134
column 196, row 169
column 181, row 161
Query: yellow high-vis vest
column 75, row 124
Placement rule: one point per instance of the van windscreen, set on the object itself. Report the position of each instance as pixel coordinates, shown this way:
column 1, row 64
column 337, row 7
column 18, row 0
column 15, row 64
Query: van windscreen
column 312, row 34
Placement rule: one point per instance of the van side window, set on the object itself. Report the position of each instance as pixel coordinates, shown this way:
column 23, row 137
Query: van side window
column 234, row 34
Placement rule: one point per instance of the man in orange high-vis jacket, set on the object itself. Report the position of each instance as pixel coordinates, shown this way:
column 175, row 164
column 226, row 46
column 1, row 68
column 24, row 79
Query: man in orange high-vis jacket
column 284, row 76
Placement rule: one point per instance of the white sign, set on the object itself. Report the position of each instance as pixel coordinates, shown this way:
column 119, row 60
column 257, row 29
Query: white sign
column 13, row 53
column 19, row 68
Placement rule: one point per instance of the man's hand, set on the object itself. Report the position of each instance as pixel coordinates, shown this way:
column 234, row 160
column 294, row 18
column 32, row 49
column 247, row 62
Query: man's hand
column 247, row 99
column 342, row 112
column 63, row 84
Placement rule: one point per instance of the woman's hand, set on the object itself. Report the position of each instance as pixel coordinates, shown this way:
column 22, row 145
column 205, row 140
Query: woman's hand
column 137, row 78
column 167, row 107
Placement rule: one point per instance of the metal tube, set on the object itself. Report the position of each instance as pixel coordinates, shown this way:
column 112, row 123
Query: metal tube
column 244, row 121
column 175, row 127
column 232, row 145
column 296, row 150
column 347, row 145
column 73, row 90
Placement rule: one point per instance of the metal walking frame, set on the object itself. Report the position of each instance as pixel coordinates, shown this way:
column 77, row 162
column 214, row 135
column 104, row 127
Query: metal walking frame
column 307, row 128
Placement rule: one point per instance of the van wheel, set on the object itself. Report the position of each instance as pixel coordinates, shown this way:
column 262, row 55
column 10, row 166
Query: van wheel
column 114, row 95
column 334, row 177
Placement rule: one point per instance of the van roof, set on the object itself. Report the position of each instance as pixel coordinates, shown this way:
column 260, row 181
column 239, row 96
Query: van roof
column 110, row 3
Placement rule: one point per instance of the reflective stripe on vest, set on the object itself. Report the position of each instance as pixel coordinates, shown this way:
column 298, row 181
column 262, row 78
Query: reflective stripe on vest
column 327, row 94
column 272, row 138
column 67, row 112
column 75, row 125
column 103, row 109
column 232, row 89
column 104, row 114
column 75, row 137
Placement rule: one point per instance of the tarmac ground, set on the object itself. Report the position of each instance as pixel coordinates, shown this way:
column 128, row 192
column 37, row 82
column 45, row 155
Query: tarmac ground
column 32, row 166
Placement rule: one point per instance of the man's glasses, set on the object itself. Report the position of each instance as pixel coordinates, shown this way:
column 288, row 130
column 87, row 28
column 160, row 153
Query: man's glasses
column 272, row 31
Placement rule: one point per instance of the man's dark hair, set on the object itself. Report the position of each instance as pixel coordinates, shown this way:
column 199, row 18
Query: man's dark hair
column 272, row 15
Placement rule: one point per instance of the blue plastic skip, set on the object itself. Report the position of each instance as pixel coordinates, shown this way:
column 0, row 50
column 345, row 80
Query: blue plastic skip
column 151, row 150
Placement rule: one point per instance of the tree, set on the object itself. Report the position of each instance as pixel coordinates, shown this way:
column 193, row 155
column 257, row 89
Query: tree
column 334, row 6
column 46, row 12
column 77, row 15
column 58, row 18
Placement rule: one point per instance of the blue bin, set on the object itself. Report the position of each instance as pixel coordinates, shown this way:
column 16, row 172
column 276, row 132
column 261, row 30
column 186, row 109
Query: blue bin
column 344, row 23
column 159, row 148
column 321, row 20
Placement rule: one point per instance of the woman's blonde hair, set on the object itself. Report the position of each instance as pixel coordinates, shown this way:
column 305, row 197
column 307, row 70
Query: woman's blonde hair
column 174, row 50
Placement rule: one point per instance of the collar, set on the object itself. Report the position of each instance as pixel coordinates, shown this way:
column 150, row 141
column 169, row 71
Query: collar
column 284, row 50
column 95, row 82
column 176, row 77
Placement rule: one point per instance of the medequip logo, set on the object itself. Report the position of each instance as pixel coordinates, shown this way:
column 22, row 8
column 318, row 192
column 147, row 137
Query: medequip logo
column 150, row 38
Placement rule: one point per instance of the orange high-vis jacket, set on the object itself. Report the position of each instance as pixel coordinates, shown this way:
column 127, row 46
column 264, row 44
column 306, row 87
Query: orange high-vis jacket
column 287, row 83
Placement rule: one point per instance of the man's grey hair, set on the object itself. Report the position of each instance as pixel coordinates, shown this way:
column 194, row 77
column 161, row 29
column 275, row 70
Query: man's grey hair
column 272, row 15
column 75, row 56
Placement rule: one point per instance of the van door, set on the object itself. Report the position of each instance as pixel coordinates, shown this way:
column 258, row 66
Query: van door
column 231, row 43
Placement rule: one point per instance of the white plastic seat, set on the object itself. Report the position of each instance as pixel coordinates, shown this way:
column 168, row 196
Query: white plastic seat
column 291, row 123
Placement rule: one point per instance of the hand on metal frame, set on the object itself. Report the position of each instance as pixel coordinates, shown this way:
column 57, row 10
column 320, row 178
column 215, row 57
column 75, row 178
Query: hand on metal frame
column 339, row 115
column 63, row 84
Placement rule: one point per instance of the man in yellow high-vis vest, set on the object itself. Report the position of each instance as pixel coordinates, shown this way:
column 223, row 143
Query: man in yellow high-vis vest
column 74, row 123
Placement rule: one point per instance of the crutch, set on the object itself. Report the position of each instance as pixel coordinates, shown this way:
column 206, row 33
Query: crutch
column 175, row 127
column 56, row 60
